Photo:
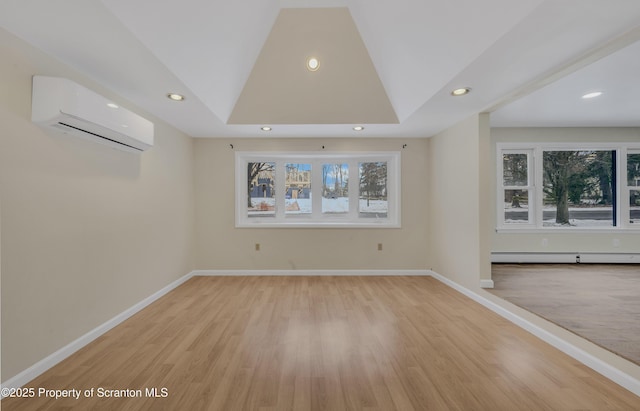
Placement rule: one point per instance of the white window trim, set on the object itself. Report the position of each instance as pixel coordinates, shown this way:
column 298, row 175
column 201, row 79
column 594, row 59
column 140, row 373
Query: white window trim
column 626, row 191
column 530, row 187
column 317, row 218
column 535, row 203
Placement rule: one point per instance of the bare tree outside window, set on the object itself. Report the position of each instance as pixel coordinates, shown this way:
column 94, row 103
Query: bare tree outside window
column 515, row 169
column 578, row 187
column 633, row 170
column 373, row 189
column 335, row 188
column 261, row 188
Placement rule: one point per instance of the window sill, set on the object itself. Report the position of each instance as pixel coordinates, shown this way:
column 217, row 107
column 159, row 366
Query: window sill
column 324, row 224
column 566, row 230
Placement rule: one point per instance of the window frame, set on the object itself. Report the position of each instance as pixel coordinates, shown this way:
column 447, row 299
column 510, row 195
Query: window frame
column 622, row 190
column 317, row 218
column 530, row 187
column 626, row 193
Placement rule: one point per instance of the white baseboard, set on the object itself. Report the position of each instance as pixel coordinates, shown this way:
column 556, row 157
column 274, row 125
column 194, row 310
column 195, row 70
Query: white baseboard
column 619, row 377
column 309, row 272
column 573, row 257
column 46, row 363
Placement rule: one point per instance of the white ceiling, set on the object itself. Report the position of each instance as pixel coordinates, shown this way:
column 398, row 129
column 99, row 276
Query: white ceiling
column 560, row 103
column 215, row 52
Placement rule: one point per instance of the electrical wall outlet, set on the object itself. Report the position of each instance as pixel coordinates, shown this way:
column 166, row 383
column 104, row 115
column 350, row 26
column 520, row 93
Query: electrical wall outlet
column 379, row 246
column 257, row 246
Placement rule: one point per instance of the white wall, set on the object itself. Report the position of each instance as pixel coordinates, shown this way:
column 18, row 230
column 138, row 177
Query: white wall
column 87, row 231
column 222, row 246
column 628, row 242
column 458, row 229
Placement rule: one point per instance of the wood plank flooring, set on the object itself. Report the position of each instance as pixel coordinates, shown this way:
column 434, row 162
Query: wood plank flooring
column 599, row 302
column 324, row 343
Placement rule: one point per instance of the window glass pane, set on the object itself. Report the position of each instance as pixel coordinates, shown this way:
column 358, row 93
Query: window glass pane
column 373, row 189
column 261, row 189
column 516, row 206
column 335, row 188
column 578, row 189
column 633, row 170
column 514, row 168
column 298, row 188
column 634, row 206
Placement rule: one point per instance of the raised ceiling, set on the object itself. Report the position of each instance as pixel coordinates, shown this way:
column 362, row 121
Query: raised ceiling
column 388, row 65
column 344, row 89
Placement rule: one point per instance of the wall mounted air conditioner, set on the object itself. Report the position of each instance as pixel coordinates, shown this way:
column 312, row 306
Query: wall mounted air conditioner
column 66, row 106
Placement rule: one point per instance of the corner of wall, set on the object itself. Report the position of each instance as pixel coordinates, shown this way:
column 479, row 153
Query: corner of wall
column 456, row 168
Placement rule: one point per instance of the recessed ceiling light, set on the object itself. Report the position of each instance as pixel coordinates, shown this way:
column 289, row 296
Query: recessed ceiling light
column 265, row 128
column 175, row 96
column 592, row 95
column 461, row 91
column 313, row 64
column 358, row 128
column 112, row 105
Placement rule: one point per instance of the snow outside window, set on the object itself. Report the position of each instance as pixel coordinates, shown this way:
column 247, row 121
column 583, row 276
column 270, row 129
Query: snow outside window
column 317, row 189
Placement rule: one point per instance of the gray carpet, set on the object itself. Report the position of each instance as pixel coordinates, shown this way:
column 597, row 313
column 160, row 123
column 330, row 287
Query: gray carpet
column 600, row 302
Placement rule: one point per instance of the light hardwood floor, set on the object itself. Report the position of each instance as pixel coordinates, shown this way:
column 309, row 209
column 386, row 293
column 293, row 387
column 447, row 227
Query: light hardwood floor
column 325, row 343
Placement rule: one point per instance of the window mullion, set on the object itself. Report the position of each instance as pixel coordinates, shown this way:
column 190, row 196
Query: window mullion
column 354, row 189
column 538, row 189
column 316, row 189
column 623, row 194
column 280, row 187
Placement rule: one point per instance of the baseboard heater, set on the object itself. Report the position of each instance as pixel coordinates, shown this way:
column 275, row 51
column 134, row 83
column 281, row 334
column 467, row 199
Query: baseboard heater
column 575, row 257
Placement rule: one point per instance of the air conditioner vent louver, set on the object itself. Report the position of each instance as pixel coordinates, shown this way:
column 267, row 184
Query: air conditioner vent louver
column 68, row 107
column 65, row 127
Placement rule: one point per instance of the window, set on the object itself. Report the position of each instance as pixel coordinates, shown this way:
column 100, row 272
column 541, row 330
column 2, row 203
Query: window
column 633, row 183
column 335, row 188
column 373, row 201
column 577, row 188
column 517, row 186
column 565, row 186
column 261, row 189
column 317, row 189
column 298, row 188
